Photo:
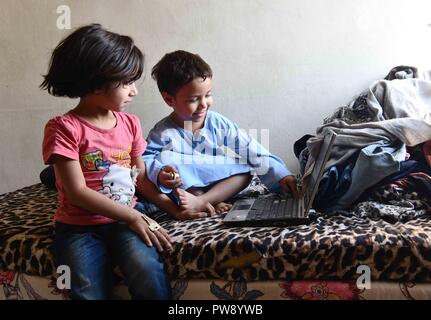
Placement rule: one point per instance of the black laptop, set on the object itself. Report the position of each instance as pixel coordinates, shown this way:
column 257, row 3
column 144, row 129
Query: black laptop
column 282, row 210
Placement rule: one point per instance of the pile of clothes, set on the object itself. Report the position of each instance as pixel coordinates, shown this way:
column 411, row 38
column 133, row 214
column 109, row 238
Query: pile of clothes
column 380, row 164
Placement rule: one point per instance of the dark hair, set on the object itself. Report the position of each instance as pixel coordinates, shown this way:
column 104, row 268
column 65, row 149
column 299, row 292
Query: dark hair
column 178, row 68
column 92, row 58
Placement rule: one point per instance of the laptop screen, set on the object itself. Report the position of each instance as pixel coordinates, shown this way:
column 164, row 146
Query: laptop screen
column 311, row 184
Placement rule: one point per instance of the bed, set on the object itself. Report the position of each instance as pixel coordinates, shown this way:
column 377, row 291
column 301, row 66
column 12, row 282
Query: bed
column 384, row 236
column 212, row 261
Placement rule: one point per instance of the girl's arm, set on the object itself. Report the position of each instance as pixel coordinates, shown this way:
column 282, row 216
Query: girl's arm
column 73, row 181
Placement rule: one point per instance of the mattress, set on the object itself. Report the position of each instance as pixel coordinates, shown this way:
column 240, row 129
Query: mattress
column 330, row 248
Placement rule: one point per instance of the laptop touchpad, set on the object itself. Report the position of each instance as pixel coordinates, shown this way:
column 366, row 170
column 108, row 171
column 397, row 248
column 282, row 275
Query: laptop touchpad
column 243, row 207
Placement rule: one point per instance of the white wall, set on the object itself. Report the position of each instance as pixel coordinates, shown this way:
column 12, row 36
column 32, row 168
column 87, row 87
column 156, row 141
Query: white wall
column 278, row 64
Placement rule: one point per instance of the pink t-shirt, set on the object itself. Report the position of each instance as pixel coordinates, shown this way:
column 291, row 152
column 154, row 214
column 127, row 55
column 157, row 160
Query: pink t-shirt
column 105, row 159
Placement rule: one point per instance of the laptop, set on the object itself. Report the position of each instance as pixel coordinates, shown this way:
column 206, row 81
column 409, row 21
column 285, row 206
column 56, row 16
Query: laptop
column 282, row 210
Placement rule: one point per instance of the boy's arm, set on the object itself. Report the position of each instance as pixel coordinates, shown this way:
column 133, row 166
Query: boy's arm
column 274, row 171
column 271, row 169
column 73, row 181
column 289, row 184
column 169, row 182
column 160, row 160
column 152, row 158
column 153, row 166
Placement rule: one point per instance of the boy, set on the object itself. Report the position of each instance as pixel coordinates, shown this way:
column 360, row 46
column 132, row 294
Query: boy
column 187, row 156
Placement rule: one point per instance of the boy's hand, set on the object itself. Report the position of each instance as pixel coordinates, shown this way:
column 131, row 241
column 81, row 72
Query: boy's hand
column 151, row 232
column 170, row 178
column 288, row 184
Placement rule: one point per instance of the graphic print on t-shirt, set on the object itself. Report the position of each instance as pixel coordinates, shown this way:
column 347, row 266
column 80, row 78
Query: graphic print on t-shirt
column 93, row 161
column 118, row 181
column 118, row 185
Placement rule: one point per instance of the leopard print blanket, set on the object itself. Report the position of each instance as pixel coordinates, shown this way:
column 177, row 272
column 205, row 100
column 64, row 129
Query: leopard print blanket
column 329, row 248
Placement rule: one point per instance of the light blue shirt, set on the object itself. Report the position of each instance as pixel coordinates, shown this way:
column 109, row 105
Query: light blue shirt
column 217, row 151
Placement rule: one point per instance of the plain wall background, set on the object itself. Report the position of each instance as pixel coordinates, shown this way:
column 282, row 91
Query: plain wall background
column 281, row 65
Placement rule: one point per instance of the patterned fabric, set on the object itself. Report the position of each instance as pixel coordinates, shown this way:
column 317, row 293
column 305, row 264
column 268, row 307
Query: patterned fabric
column 356, row 111
column 26, row 230
column 327, row 249
column 19, row 286
column 394, row 202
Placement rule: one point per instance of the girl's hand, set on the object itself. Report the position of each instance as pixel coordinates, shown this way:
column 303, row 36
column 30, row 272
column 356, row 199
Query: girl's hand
column 170, row 178
column 288, row 184
column 151, row 232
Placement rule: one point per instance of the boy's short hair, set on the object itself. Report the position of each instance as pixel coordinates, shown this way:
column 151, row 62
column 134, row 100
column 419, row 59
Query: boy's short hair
column 178, row 68
column 92, row 58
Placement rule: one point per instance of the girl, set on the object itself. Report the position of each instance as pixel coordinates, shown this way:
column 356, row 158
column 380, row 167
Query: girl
column 96, row 152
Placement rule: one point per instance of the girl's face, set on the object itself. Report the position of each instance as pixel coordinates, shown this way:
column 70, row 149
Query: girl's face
column 192, row 101
column 117, row 98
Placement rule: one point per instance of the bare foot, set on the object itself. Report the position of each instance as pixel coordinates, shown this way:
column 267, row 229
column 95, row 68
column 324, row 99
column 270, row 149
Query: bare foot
column 190, row 203
column 222, row 207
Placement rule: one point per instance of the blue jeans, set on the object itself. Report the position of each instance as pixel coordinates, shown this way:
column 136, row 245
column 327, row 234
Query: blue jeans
column 91, row 252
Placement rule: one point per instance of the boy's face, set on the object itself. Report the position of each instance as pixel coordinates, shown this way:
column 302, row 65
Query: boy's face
column 191, row 101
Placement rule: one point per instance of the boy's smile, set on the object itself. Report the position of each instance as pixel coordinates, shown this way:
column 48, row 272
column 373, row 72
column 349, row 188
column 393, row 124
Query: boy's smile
column 191, row 102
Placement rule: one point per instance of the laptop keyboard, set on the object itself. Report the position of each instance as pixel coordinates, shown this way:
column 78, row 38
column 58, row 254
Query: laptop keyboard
column 270, row 209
